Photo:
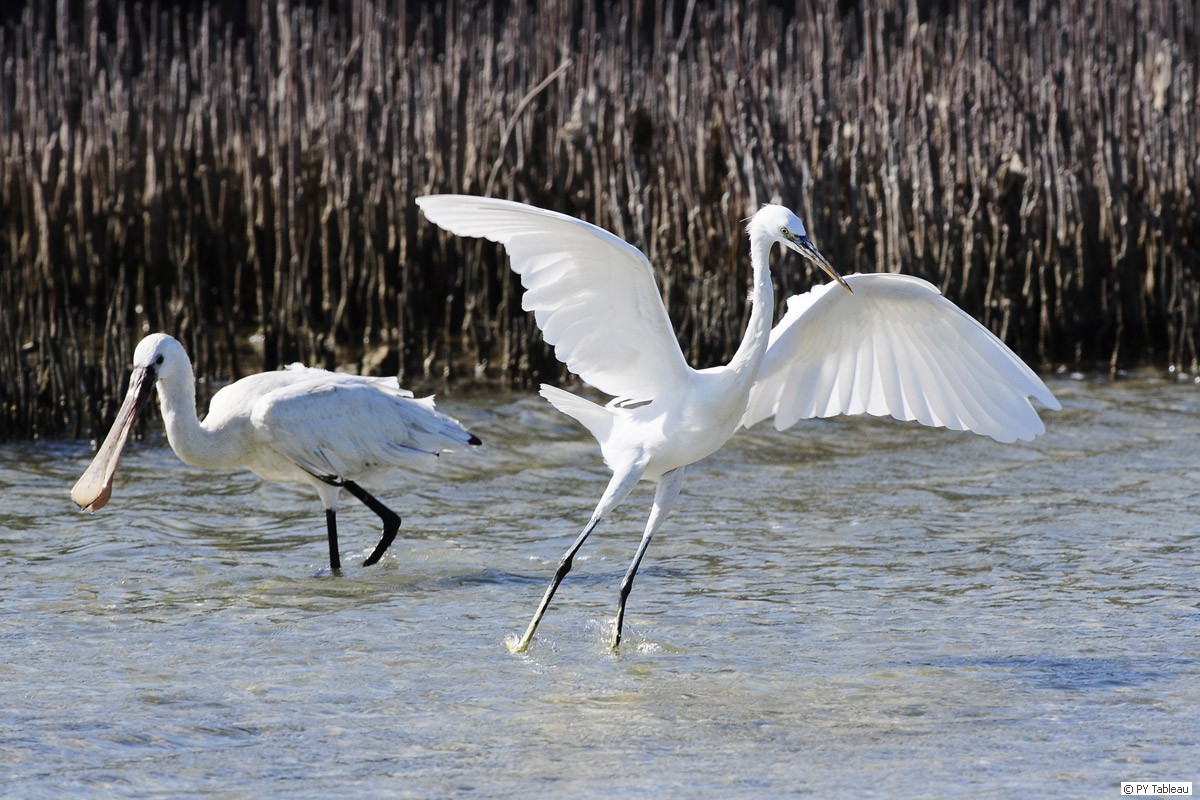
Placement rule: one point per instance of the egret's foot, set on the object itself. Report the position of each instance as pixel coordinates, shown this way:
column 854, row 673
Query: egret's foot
column 522, row 644
column 614, row 644
column 618, row 622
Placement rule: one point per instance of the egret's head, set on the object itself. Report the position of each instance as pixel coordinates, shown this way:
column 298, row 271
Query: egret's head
column 779, row 224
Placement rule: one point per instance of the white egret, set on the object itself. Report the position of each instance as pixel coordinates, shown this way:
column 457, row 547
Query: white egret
column 297, row 425
column 888, row 344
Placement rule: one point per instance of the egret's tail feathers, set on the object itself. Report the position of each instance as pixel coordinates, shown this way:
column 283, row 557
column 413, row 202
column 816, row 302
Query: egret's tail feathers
column 596, row 418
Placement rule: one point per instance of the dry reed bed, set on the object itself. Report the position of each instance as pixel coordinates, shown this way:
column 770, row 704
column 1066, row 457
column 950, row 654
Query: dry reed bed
column 218, row 173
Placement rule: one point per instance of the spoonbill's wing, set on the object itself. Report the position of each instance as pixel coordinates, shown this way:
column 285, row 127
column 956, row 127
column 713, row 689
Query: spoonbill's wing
column 593, row 295
column 348, row 427
column 251, row 390
column 895, row 346
column 299, row 372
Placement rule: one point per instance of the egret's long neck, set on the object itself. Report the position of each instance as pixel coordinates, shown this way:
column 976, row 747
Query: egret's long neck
column 750, row 352
column 191, row 442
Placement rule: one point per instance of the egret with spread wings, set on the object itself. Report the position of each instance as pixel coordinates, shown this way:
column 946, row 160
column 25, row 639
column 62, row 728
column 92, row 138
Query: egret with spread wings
column 880, row 344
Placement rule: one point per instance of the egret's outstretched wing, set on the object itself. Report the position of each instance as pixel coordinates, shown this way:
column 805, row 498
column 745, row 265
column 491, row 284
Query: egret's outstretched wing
column 895, row 346
column 593, row 295
column 346, row 427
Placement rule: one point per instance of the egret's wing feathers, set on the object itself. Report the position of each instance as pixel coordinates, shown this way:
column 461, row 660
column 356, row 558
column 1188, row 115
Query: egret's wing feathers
column 331, row 427
column 592, row 294
column 894, row 347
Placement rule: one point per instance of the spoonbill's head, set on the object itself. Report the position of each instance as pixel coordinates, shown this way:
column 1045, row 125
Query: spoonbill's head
column 157, row 357
column 779, row 224
column 161, row 357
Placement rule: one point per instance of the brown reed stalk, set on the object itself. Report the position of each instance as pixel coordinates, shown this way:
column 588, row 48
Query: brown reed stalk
column 242, row 175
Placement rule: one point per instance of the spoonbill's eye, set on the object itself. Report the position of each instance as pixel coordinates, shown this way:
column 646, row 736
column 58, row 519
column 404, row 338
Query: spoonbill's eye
column 159, row 360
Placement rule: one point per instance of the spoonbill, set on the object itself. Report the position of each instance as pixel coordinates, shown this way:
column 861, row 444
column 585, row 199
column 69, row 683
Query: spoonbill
column 882, row 344
column 296, row 425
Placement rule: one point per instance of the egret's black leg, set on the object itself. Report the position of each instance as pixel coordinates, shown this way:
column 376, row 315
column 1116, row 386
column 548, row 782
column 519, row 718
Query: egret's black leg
column 626, row 587
column 391, row 520
column 335, row 562
column 564, row 566
column 664, row 498
column 618, row 488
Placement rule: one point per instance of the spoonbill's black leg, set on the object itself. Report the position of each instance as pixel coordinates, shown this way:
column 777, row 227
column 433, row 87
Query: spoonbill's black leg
column 335, row 561
column 391, row 520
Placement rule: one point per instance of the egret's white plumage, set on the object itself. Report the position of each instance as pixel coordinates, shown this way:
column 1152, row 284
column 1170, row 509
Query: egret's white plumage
column 894, row 347
column 882, row 344
column 301, row 425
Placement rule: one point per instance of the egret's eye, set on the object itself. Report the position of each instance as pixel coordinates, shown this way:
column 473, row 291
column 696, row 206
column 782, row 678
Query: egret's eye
column 159, row 360
column 784, row 230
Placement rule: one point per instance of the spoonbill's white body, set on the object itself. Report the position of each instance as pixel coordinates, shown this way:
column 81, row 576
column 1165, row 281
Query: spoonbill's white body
column 298, row 425
column 888, row 344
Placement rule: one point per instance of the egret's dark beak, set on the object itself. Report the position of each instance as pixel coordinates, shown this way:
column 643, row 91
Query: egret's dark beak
column 804, row 246
column 91, row 492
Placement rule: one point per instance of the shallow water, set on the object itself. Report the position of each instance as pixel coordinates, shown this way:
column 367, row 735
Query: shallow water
column 851, row 608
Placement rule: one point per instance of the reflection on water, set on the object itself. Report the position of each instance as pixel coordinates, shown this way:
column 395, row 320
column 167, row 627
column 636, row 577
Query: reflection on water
column 854, row 607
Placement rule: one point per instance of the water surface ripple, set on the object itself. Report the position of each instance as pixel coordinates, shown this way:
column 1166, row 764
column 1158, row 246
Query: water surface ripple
column 853, row 608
